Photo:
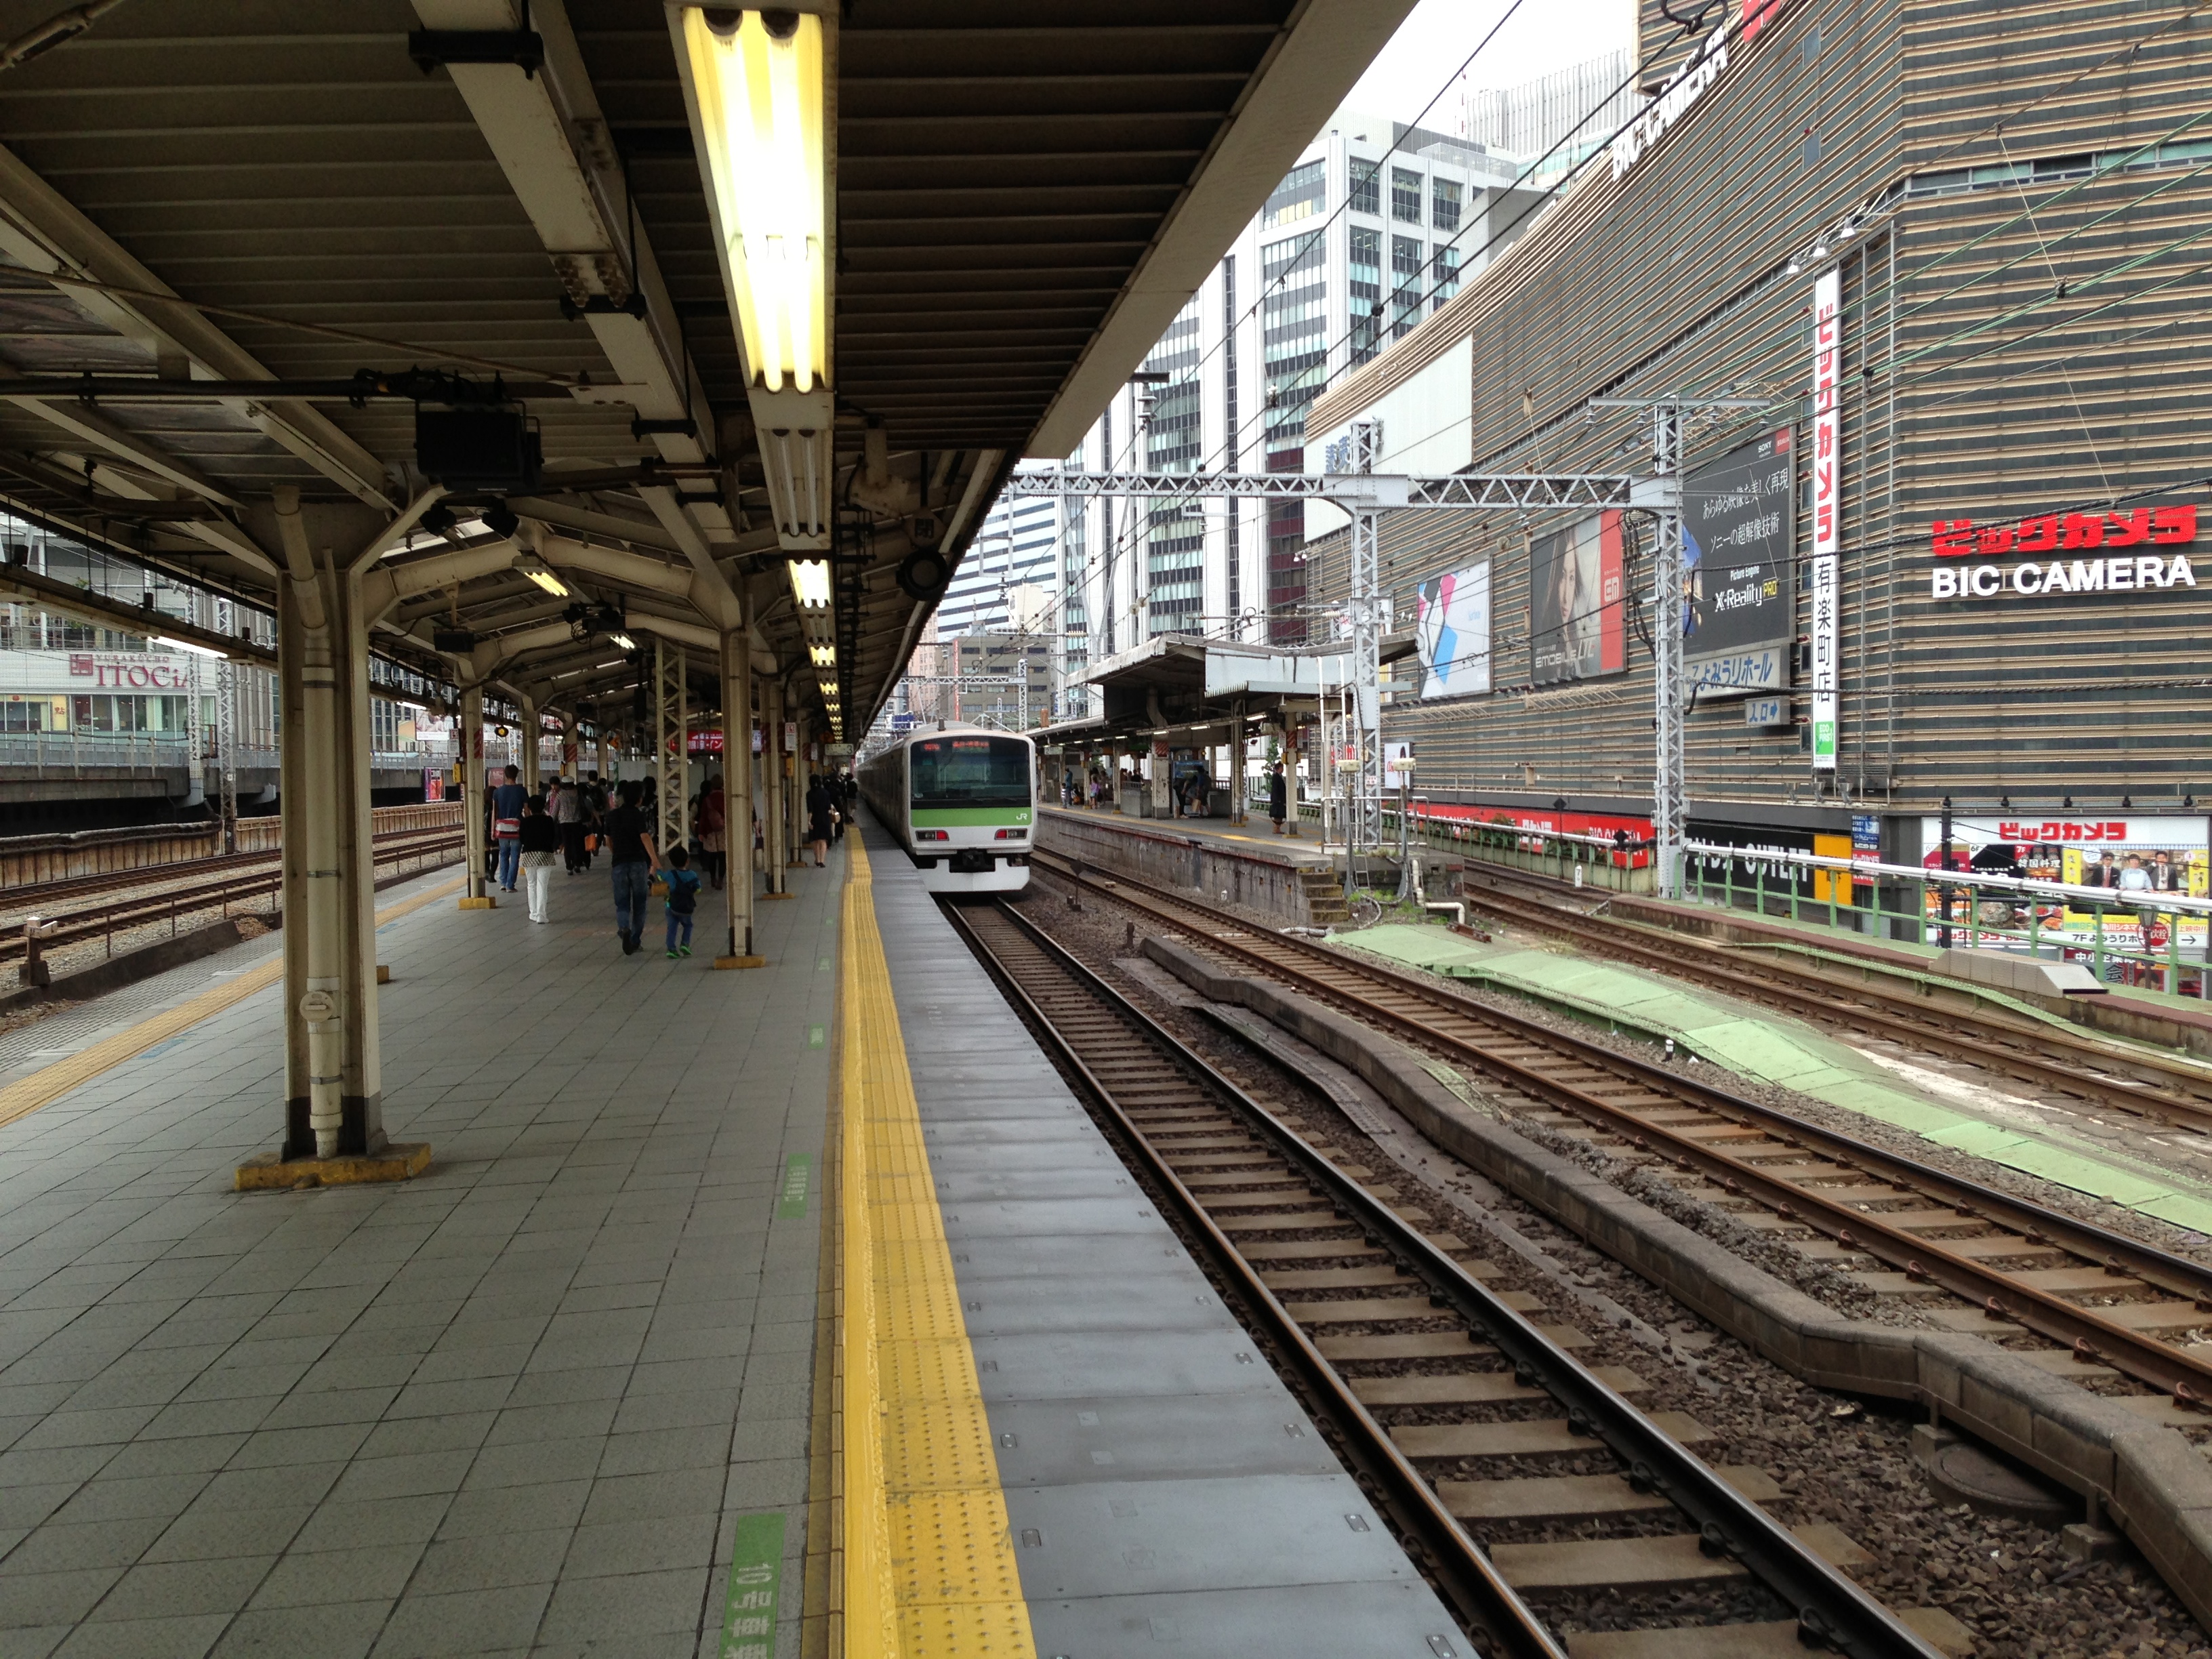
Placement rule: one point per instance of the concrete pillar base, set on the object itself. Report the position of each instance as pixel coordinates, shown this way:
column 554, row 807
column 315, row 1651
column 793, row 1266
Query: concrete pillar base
column 777, row 896
column 273, row 1172
column 743, row 962
column 486, row 903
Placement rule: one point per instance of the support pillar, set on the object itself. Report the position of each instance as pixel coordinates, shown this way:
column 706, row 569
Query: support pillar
column 671, row 721
column 599, row 740
column 774, row 837
column 472, row 795
column 1239, row 763
column 333, row 1063
column 530, row 732
column 737, row 794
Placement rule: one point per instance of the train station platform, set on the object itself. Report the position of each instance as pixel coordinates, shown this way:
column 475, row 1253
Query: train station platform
column 1289, row 878
column 536, row 1399
column 576, row 1389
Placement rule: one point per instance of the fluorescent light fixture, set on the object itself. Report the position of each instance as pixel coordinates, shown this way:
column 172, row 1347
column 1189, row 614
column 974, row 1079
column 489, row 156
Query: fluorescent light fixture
column 810, row 582
column 759, row 93
column 624, row 641
column 543, row 574
column 186, row 645
column 825, row 656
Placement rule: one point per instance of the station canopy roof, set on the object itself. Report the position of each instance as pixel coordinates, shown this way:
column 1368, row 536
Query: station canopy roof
column 259, row 240
column 1182, row 687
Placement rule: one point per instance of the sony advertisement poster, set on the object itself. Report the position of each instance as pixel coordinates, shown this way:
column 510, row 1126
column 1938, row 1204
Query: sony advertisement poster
column 1739, row 528
column 1454, row 633
column 1577, row 614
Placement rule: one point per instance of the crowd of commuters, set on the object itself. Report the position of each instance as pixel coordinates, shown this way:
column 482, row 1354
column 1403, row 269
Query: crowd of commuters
column 577, row 820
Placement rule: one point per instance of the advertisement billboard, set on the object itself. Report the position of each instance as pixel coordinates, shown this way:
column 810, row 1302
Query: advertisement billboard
column 1453, row 634
column 2135, row 858
column 1739, row 528
column 1578, row 620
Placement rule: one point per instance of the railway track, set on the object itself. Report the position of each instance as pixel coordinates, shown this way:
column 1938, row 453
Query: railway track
column 2172, row 1090
column 249, row 876
column 1442, row 1397
column 1900, row 1227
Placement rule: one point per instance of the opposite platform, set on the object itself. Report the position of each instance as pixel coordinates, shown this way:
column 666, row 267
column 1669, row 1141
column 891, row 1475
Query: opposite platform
column 1158, row 1483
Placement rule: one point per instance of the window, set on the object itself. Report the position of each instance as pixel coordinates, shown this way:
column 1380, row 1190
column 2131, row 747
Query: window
column 1405, row 284
column 23, row 714
column 1366, row 188
column 1447, row 275
column 1298, row 196
column 1365, row 282
column 1405, row 195
column 969, row 772
column 1444, row 204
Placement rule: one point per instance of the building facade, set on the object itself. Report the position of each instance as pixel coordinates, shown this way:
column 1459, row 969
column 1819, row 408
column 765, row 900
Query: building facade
column 1944, row 257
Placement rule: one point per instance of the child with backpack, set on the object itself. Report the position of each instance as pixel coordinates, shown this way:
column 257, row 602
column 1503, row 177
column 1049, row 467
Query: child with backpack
column 683, row 898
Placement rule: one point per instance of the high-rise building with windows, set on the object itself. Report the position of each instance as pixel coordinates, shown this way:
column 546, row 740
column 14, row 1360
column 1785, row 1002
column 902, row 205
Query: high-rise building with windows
column 1375, row 227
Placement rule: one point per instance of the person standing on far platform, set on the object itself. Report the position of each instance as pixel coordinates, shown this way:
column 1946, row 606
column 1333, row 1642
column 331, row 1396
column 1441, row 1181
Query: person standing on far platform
column 507, row 803
column 540, row 841
column 633, row 860
column 819, row 811
column 1279, row 796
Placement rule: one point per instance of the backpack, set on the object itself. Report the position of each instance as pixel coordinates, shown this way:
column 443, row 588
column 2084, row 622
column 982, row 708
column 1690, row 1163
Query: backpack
column 682, row 892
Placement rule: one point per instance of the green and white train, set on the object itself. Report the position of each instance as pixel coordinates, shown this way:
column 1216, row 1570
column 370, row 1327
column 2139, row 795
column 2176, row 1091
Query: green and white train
column 962, row 800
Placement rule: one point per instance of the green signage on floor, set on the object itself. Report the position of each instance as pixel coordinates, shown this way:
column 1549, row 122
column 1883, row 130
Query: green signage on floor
column 791, row 1202
column 816, row 1036
column 756, row 1576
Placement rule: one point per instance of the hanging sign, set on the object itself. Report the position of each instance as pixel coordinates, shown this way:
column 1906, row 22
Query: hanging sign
column 1827, row 469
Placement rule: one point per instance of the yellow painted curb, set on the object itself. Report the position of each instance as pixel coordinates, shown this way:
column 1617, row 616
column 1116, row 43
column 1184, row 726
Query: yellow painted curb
column 273, row 1172
column 928, row 1554
column 50, row 1083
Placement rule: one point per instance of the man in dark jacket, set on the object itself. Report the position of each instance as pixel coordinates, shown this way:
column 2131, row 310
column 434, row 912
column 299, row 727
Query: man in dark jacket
column 1279, row 796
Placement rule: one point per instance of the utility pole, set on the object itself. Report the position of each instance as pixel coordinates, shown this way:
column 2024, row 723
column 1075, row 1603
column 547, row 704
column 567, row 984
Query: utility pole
column 1670, row 766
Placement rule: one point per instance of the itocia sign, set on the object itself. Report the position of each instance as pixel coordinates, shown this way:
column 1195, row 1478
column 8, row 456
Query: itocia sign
column 126, row 673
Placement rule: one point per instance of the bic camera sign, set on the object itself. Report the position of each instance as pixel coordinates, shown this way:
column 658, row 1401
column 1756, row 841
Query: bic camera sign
column 2126, row 552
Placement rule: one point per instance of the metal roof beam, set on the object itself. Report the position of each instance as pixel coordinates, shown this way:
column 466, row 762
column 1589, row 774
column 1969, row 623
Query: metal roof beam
column 43, row 232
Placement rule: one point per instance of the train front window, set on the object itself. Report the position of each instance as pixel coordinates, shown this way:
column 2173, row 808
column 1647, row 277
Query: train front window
column 970, row 772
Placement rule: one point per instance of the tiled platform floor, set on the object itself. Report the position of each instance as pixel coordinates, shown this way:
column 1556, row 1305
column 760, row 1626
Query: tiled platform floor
column 516, row 1405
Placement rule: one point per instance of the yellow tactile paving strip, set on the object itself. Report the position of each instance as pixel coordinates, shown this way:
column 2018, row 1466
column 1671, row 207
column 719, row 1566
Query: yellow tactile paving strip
column 928, row 1553
column 50, row 1083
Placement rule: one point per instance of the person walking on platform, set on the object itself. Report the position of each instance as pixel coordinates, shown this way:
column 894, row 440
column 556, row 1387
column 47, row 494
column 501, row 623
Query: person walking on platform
column 506, row 825
column 566, row 811
column 540, row 841
column 819, row 811
column 1279, row 796
column 632, row 861
column 849, row 802
column 682, row 882
column 713, row 830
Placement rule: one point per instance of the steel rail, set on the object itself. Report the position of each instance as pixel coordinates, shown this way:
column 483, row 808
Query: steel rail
column 32, row 894
column 1908, row 1018
column 2093, row 1338
column 1831, row 1608
column 74, row 926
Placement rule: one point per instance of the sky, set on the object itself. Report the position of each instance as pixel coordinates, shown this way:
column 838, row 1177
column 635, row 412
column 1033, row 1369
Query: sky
column 1438, row 35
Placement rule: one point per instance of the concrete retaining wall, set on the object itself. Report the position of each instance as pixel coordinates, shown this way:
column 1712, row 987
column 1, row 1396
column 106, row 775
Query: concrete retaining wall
column 2152, row 1482
column 1159, row 856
